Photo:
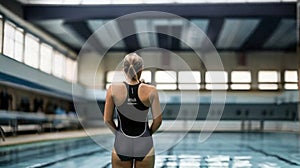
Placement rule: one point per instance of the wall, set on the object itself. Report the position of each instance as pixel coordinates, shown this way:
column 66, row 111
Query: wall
column 253, row 61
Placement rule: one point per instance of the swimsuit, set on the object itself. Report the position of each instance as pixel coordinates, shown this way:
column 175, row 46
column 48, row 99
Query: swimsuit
column 133, row 138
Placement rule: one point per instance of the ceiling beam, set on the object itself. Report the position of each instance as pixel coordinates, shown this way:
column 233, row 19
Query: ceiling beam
column 83, row 12
column 128, row 31
column 213, row 33
column 214, row 29
column 167, row 37
column 263, row 32
column 81, row 29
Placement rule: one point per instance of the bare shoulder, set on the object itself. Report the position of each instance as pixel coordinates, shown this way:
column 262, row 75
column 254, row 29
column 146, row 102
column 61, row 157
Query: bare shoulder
column 116, row 87
column 148, row 87
column 116, row 84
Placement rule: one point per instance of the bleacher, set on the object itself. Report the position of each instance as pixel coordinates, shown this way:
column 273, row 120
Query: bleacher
column 15, row 122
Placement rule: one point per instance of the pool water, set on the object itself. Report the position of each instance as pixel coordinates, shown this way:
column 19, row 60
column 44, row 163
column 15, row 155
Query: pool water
column 232, row 150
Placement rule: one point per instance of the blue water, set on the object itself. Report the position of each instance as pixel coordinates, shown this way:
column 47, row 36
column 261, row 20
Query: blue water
column 265, row 150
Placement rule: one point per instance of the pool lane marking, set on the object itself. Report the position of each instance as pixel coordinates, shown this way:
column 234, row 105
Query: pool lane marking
column 273, row 155
column 40, row 165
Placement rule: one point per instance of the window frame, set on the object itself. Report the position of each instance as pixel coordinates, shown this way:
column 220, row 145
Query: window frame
column 265, row 85
column 211, row 84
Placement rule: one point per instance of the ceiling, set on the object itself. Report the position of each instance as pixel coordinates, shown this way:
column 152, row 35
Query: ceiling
column 234, row 27
column 103, row 2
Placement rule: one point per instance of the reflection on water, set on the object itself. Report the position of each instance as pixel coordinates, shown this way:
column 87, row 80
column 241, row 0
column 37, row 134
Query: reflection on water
column 232, row 150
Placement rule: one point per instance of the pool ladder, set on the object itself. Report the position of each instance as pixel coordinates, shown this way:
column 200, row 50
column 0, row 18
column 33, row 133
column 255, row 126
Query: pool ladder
column 2, row 134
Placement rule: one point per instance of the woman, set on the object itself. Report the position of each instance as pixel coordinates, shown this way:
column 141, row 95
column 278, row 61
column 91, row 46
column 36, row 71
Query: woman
column 133, row 137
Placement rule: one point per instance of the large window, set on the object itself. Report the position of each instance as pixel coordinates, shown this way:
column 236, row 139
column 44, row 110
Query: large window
column 19, row 44
column 189, row 80
column 32, row 53
column 75, row 77
column 9, row 39
column 13, row 41
column 25, row 47
column 58, row 65
column 216, row 80
column 119, row 76
column 115, row 76
column 268, row 80
column 71, row 70
column 240, row 80
column 291, row 79
column 46, row 58
column 166, row 80
column 146, row 76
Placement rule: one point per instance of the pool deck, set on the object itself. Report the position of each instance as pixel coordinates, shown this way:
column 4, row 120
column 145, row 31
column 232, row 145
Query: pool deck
column 29, row 138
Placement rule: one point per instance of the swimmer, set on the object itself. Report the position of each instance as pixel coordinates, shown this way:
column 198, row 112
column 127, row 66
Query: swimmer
column 133, row 146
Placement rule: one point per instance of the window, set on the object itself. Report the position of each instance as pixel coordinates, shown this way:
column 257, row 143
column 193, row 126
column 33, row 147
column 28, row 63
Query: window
column 32, row 47
column 115, row 76
column 268, row 76
column 46, row 57
column 189, row 80
column 268, row 86
column 146, row 75
column 119, row 76
column 71, row 70
column 9, row 39
column 290, row 76
column 291, row 79
column 166, row 80
column 189, row 77
column 27, row 48
column 216, row 86
column 240, row 80
column 165, row 77
column 19, row 42
column 216, row 80
column 240, row 86
column 268, row 80
column 75, row 77
column 13, row 41
column 166, row 86
column 58, row 65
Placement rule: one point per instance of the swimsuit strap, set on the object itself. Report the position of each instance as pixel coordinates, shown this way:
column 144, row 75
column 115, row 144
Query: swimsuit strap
column 133, row 97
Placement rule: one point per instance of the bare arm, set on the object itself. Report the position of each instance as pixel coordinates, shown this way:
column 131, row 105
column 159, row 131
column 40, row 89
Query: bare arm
column 109, row 111
column 156, row 111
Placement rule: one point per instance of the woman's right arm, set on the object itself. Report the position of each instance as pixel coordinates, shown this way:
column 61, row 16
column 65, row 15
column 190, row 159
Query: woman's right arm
column 156, row 111
column 109, row 111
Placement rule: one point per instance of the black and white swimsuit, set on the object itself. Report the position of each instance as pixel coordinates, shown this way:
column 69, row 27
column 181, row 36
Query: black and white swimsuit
column 133, row 138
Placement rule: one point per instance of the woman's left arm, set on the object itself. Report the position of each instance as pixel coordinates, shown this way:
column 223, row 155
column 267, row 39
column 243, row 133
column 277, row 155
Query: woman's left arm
column 109, row 111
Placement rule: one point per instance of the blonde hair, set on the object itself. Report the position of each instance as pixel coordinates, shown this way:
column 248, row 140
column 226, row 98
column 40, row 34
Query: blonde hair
column 132, row 65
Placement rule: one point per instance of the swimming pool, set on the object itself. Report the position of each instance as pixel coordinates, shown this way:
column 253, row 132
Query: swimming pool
column 266, row 150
